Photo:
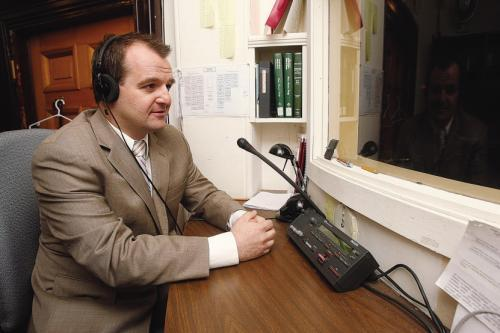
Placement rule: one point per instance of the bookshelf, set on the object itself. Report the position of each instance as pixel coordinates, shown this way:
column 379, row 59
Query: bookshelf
column 261, row 47
column 267, row 131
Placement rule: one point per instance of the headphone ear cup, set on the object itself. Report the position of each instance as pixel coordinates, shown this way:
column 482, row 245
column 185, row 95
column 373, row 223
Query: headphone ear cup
column 108, row 87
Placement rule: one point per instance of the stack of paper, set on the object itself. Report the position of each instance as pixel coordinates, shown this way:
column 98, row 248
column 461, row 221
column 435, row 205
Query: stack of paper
column 267, row 201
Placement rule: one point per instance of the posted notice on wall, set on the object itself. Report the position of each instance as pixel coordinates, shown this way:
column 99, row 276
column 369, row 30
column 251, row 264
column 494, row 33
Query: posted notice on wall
column 370, row 94
column 220, row 90
column 472, row 276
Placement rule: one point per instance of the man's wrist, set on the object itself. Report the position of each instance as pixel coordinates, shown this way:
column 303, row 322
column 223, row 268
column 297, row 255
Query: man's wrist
column 234, row 217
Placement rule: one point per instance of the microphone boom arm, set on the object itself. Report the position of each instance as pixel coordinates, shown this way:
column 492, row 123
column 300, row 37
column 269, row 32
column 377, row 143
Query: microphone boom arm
column 245, row 145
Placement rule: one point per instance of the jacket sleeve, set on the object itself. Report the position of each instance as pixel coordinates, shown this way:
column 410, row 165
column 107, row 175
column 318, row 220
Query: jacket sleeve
column 203, row 197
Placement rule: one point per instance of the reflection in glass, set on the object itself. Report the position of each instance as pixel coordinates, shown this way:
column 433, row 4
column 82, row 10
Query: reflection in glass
column 441, row 81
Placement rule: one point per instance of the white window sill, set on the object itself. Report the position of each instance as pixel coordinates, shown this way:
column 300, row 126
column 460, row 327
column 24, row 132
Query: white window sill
column 428, row 216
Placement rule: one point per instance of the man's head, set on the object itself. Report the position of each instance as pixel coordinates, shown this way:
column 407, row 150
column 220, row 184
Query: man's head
column 138, row 65
column 443, row 89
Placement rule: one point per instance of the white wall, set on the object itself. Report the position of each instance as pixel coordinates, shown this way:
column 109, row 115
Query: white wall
column 213, row 139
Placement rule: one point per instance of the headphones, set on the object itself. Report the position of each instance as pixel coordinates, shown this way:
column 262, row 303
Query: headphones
column 105, row 86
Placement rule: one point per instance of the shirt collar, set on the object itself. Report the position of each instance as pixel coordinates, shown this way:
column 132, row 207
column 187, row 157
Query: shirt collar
column 448, row 126
column 129, row 141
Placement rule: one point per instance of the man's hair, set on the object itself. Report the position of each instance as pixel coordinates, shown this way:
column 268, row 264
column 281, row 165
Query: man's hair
column 112, row 61
column 442, row 57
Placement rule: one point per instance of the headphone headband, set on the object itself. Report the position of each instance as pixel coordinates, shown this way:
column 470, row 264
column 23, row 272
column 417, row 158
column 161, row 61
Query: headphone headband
column 102, row 50
column 105, row 88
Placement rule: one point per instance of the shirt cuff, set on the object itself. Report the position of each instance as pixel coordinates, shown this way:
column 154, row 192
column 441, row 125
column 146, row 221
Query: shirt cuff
column 234, row 217
column 222, row 250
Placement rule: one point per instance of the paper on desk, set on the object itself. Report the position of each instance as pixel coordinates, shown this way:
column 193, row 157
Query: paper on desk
column 472, row 276
column 267, row 201
column 471, row 325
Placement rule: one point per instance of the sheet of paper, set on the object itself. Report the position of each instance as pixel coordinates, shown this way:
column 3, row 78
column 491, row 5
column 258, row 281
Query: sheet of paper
column 471, row 325
column 370, row 99
column 295, row 18
column 267, row 201
column 472, row 277
column 214, row 90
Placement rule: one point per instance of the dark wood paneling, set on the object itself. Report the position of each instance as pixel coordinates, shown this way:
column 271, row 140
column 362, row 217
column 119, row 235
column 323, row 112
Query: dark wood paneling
column 10, row 113
column 20, row 19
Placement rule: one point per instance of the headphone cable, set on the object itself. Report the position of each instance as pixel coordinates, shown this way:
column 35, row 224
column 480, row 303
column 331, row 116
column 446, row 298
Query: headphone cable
column 167, row 209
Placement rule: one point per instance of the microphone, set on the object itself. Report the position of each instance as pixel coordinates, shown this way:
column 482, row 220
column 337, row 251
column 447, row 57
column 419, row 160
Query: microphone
column 245, row 145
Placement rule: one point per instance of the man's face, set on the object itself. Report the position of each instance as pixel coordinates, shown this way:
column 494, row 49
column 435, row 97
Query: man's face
column 443, row 93
column 144, row 99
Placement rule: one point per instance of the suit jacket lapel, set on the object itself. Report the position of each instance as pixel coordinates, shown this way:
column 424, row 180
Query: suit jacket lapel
column 160, row 167
column 123, row 161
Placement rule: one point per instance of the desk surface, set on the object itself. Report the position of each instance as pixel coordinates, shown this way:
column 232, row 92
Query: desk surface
column 279, row 292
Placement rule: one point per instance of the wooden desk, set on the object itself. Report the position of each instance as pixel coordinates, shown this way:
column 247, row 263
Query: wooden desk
column 279, row 292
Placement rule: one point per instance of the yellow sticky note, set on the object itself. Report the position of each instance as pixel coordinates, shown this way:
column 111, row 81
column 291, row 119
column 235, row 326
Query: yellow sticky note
column 227, row 37
column 206, row 13
column 227, row 29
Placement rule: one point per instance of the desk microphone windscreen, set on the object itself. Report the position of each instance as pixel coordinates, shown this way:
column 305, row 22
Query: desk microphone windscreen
column 244, row 144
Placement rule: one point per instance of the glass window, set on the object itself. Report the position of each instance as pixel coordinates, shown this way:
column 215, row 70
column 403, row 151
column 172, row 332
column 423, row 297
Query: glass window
column 427, row 74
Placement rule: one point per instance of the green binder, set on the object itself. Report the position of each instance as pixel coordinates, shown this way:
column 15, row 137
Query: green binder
column 288, row 83
column 278, row 84
column 297, row 85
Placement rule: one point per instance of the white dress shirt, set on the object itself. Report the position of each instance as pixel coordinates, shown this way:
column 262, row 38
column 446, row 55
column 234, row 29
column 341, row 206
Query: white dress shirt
column 222, row 247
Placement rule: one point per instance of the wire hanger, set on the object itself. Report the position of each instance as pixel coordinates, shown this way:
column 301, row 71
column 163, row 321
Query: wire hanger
column 58, row 114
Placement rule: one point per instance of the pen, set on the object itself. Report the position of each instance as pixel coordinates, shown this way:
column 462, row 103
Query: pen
column 369, row 169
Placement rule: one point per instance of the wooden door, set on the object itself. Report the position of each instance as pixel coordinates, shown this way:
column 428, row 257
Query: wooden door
column 61, row 63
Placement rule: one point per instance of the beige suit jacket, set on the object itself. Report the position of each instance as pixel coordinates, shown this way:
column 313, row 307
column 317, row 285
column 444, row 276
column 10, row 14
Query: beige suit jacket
column 105, row 242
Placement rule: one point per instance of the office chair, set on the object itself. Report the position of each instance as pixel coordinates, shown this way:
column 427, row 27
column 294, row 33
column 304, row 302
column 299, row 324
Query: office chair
column 19, row 227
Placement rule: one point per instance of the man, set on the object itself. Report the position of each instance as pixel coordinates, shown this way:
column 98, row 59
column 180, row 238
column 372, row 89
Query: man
column 108, row 245
column 444, row 140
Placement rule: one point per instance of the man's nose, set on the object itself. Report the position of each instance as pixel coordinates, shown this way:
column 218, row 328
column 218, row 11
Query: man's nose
column 164, row 96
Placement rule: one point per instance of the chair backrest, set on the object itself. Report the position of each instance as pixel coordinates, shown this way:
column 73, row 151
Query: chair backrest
column 19, row 226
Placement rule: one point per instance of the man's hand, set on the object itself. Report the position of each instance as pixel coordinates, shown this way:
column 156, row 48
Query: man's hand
column 254, row 235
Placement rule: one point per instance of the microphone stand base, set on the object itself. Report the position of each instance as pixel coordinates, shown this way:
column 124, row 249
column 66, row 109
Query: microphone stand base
column 292, row 208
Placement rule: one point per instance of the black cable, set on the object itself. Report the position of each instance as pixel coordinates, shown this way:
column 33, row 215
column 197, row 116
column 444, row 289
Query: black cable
column 437, row 322
column 398, row 287
column 400, row 305
column 177, row 228
column 433, row 316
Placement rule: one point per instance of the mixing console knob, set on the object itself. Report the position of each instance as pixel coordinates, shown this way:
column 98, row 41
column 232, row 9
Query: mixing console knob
column 313, row 221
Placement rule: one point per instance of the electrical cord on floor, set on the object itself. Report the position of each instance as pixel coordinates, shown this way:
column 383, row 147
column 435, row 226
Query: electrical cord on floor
column 435, row 319
column 403, row 307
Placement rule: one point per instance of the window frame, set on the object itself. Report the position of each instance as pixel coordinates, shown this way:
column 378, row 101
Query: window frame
column 431, row 217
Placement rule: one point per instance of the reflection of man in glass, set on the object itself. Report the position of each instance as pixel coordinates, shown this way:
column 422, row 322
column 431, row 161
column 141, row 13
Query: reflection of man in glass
column 444, row 140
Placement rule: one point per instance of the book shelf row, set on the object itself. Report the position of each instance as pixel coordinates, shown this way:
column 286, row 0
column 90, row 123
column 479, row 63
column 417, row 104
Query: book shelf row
column 278, row 86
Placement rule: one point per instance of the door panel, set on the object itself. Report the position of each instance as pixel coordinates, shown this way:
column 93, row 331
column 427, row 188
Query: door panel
column 61, row 65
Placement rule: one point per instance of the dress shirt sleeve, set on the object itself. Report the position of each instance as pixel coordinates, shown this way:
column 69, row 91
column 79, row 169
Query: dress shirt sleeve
column 234, row 217
column 222, row 250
